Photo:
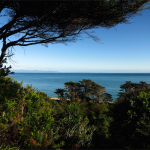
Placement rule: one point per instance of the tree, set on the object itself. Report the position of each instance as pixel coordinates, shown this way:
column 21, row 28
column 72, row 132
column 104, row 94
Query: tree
column 5, row 71
column 60, row 93
column 131, row 117
column 69, row 87
column 130, row 90
column 107, row 97
column 84, row 90
column 85, row 85
column 97, row 91
column 43, row 22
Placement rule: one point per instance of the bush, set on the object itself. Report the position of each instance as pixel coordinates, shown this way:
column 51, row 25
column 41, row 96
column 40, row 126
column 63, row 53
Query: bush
column 26, row 119
column 75, row 128
column 131, row 118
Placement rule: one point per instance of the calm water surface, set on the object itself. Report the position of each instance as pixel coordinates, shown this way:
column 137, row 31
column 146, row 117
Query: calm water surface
column 48, row 82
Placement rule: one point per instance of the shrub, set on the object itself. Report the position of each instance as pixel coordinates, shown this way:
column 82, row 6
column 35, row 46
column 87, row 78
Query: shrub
column 131, row 118
column 74, row 128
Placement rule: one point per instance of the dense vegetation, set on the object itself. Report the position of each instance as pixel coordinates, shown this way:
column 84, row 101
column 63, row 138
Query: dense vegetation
column 29, row 119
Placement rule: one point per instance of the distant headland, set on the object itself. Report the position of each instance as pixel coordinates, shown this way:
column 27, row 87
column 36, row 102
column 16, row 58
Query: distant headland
column 34, row 71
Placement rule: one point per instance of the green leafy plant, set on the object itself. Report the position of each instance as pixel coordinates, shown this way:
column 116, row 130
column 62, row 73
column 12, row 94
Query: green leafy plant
column 130, row 114
column 75, row 128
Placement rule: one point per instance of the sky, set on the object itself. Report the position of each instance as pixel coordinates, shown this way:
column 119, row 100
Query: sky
column 124, row 48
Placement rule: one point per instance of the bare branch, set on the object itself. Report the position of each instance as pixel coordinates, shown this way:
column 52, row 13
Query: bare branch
column 44, row 22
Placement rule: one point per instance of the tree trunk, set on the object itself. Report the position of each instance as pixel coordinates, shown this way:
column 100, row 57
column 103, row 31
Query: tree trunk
column 93, row 96
column 3, row 50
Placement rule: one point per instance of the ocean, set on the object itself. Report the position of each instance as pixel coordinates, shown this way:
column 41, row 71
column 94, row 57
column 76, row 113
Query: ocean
column 49, row 82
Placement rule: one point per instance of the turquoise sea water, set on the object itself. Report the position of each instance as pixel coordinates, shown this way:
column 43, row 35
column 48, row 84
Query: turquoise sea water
column 48, row 82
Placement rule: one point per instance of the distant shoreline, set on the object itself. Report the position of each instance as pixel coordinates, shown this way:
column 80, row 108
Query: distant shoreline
column 69, row 100
column 57, row 98
column 81, row 72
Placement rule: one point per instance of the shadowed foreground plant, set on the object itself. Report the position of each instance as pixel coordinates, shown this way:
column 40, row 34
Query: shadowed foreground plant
column 131, row 117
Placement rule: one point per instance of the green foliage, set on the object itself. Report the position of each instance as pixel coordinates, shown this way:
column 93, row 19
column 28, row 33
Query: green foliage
column 91, row 90
column 97, row 115
column 24, row 109
column 27, row 108
column 60, row 93
column 85, row 90
column 131, row 90
column 141, row 111
column 3, row 70
column 130, row 114
column 31, row 120
column 8, row 147
column 75, row 128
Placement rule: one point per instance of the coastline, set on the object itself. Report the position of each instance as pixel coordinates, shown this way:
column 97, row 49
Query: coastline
column 52, row 98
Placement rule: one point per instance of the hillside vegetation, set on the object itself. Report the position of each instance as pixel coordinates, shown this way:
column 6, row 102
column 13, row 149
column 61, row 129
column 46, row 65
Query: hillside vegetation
column 29, row 119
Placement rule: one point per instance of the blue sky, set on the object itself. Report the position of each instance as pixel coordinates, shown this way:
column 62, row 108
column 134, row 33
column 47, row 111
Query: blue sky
column 124, row 48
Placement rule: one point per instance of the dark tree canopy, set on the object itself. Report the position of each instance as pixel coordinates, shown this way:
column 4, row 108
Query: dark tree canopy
column 43, row 22
column 130, row 90
column 84, row 90
column 131, row 121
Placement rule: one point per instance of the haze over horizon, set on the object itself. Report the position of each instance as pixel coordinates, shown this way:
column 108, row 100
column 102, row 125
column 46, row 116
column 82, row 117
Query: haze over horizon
column 124, row 48
column 102, row 71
